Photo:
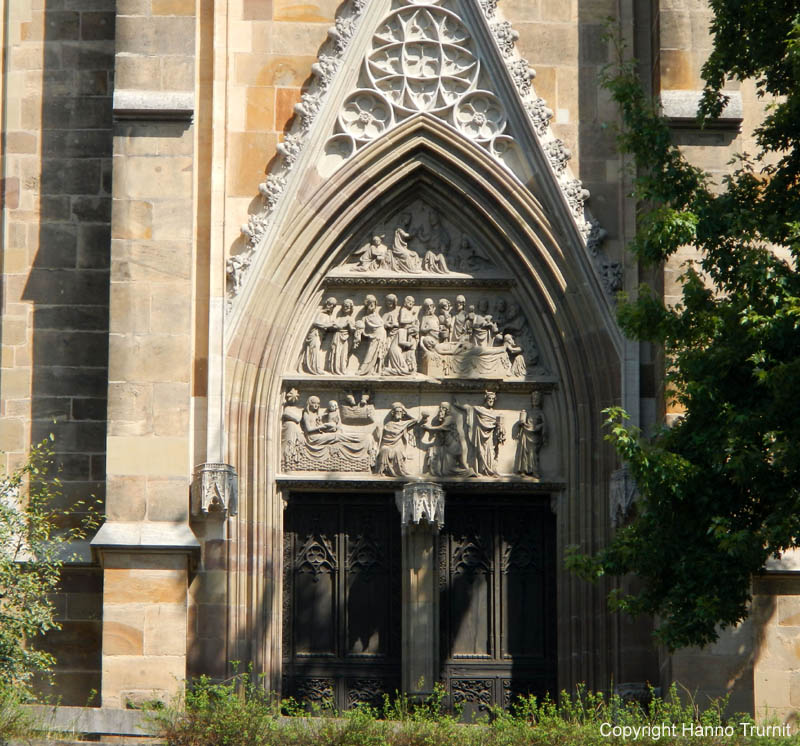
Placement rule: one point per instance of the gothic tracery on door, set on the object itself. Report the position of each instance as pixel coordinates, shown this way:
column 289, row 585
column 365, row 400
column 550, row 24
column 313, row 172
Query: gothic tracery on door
column 342, row 600
column 341, row 623
column 497, row 580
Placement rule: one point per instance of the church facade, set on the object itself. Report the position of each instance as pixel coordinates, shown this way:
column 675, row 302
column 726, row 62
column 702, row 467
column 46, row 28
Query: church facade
column 319, row 298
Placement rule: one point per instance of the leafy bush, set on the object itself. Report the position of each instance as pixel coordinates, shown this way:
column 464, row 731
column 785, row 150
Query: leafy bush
column 239, row 713
column 33, row 548
column 15, row 721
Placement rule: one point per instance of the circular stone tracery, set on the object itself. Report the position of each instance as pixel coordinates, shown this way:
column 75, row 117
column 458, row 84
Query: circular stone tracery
column 365, row 115
column 480, row 116
column 422, row 60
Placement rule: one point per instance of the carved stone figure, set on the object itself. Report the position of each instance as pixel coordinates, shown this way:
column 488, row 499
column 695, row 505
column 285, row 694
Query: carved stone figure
column 237, row 267
column 409, row 333
column 292, row 439
column 514, row 322
column 323, row 323
column 447, row 454
column 530, row 433
column 328, row 445
column 344, row 326
column 482, row 328
column 438, row 241
column 458, row 329
column 372, row 255
column 500, row 312
column 429, row 327
column 486, row 433
column 445, row 319
column 518, row 367
column 400, row 258
column 371, row 328
column 394, row 363
column 468, row 259
column 397, row 436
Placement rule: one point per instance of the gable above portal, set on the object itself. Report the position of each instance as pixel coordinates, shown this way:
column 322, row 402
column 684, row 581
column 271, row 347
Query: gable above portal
column 389, row 61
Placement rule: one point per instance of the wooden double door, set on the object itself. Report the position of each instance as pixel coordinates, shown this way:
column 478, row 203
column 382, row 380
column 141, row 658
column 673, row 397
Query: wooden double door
column 342, row 600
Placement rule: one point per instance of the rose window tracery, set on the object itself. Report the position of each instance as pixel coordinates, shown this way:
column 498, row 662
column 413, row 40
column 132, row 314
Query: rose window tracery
column 422, row 58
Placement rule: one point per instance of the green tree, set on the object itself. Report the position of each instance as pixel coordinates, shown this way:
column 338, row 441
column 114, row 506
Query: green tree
column 720, row 490
column 33, row 548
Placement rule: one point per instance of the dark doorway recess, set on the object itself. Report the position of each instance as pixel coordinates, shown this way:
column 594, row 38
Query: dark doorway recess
column 341, row 586
column 498, row 600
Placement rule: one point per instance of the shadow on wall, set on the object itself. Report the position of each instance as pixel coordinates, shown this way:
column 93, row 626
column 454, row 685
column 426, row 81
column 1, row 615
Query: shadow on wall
column 69, row 288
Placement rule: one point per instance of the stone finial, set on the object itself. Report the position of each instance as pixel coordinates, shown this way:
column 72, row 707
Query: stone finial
column 421, row 503
column 622, row 495
column 215, row 490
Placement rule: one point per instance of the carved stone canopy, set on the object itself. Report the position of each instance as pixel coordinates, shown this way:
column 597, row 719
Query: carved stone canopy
column 421, row 504
column 214, row 490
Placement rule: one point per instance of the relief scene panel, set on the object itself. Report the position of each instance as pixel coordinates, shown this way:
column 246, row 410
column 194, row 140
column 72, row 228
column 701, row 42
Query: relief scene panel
column 470, row 435
column 417, row 240
column 463, row 335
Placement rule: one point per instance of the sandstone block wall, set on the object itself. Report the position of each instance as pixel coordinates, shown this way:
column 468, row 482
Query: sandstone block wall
column 56, row 103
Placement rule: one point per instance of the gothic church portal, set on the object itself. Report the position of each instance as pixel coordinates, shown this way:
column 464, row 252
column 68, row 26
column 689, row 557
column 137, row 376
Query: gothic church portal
column 322, row 305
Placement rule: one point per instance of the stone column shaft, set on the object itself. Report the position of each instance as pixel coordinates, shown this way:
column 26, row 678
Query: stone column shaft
column 421, row 507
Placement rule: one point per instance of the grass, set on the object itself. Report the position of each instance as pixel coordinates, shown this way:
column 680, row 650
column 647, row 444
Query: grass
column 15, row 721
column 239, row 712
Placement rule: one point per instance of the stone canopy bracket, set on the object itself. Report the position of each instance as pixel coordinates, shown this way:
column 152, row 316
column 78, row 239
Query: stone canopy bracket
column 421, row 504
column 214, row 491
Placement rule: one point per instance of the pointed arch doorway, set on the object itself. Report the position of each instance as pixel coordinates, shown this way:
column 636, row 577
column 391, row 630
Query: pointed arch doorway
column 284, row 385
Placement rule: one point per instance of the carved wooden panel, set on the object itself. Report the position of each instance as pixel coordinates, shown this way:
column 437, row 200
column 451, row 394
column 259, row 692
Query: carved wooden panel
column 341, row 636
column 497, row 561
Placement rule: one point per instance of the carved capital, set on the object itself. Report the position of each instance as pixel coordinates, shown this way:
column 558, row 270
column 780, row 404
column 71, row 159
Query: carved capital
column 215, row 490
column 421, row 503
column 622, row 495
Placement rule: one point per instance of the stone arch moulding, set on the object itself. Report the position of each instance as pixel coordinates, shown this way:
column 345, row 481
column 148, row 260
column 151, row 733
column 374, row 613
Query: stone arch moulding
column 564, row 303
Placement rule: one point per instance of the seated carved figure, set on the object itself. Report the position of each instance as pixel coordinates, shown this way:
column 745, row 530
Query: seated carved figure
column 322, row 443
column 371, row 256
column 400, row 258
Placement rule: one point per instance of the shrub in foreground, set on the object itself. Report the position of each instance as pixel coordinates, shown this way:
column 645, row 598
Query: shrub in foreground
column 239, row 712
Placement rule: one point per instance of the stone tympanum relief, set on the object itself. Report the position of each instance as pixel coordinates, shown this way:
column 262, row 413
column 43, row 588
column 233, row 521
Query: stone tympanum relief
column 314, row 438
column 463, row 437
column 426, row 57
column 464, row 338
column 418, row 361
column 417, row 241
